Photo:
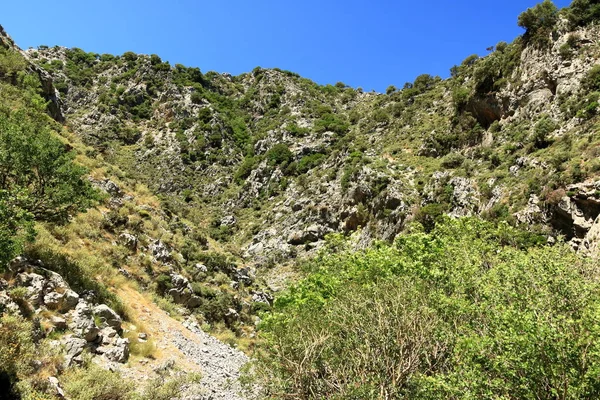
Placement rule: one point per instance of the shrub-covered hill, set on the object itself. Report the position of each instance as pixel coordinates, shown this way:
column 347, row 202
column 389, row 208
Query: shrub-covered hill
column 471, row 310
column 269, row 162
column 140, row 183
column 98, row 252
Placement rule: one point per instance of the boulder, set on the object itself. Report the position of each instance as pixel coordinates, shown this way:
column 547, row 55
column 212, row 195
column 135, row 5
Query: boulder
column 108, row 316
column 117, row 352
column 160, row 252
column 58, row 323
column 128, row 240
column 82, row 322
column 70, row 300
column 74, row 346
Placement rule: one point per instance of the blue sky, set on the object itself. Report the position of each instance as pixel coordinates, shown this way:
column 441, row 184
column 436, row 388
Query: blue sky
column 368, row 44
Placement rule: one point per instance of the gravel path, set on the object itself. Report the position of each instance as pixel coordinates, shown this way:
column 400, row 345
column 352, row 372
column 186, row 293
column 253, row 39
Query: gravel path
column 191, row 349
column 220, row 364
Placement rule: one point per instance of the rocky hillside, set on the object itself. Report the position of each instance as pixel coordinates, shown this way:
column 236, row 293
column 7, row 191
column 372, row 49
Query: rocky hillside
column 268, row 163
column 202, row 190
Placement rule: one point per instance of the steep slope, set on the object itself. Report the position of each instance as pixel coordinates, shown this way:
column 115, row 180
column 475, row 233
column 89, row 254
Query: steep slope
column 210, row 186
column 269, row 163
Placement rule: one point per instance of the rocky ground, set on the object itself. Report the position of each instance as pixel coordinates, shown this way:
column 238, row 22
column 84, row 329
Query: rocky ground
column 185, row 346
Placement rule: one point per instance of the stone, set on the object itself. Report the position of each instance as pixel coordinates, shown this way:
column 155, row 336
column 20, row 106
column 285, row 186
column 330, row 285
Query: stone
column 119, row 352
column 201, row 268
column 108, row 335
column 228, row 220
column 53, row 300
column 160, row 252
column 7, row 304
column 74, row 346
column 55, row 385
column 70, row 300
column 82, row 323
column 58, row 323
column 35, row 284
column 262, row 297
column 592, row 239
column 108, row 316
column 128, row 240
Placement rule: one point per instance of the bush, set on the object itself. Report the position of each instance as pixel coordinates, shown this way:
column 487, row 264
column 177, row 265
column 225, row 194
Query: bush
column 582, row 12
column 279, row 154
column 453, row 160
column 245, row 169
column 95, row 383
column 591, row 81
column 541, row 130
column 309, row 162
column 471, row 310
column 17, row 352
column 539, row 21
column 331, row 122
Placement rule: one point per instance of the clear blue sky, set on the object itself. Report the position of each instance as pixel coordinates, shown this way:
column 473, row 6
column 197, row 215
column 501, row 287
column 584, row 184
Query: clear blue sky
column 370, row 44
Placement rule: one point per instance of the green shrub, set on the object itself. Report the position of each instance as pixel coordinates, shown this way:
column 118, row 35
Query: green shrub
column 453, row 160
column 245, row 168
column 333, row 123
column 539, row 21
column 541, row 130
column 471, row 310
column 17, row 352
column 591, row 81
column 279, row 154
column 309, row 162
column 95, row 383
column 582, row 12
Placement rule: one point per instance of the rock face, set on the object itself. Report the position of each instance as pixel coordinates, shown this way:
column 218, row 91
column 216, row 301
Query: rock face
column 95, row 328
column 372, row 177
column 82, row 322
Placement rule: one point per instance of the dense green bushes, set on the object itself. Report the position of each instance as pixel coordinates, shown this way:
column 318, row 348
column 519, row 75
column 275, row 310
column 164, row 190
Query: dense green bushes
column 38, row 178
column 470, row 310
column 582, row 12
column 539, row 21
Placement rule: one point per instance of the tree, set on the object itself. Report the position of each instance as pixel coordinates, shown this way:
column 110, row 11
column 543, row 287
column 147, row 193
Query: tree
column 390, row 89
column 582, row 12
column 538, row 21
column 38, row 179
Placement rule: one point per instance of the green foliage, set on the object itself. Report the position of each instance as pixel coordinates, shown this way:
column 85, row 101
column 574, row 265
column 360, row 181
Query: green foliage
column 34, row 163
column 471, row 310
column 11, row 63
column 539, row 22
column 591, row 81
column 331, row 122
column 309, row 162
column 38, row 178
column 460, row 96
column 279, row 154
column 453, row 160
column 17, row 352
column 541, row 130
column 583, row 12
column 245, row 169
column 95, row 383
column 297, row 131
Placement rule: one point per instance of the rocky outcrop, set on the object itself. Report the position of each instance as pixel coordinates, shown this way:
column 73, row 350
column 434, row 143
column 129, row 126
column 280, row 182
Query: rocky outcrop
column 55, row 104
column 94, row 327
